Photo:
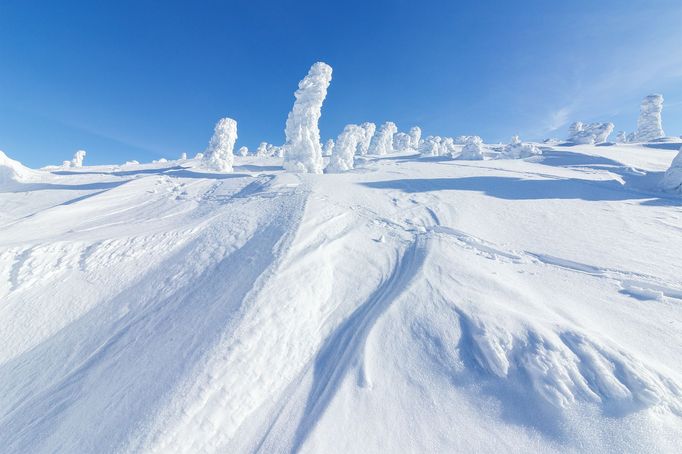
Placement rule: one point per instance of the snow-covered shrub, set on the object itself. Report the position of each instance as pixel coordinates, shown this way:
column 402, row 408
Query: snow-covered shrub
column 473, row 149
column 649, row 126
column 302, row 150
column 402, row 141
column 517, row 149
column 672, row 179
column 219, row 154
column 78, row 157
column 243, row 151
column 580, row 133
column 369, row 129
column 382, row 142
column 415, row 137
column 344, row 150
column 328, row 147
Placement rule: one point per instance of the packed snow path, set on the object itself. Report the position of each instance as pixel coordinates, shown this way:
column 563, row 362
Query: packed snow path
column 411, row 305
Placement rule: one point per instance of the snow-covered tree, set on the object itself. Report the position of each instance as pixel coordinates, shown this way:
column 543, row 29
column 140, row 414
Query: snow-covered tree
column 672, row 179
column 473, row 149
column 78, row 157
column 437, row 146
column 620, row 137
column 649, row 125
column 382, row 142
column 369, row 129
column 302, row 150
column 402, row 141
column 581, row 133
column 344, row 149
column 199, row 156
column 518, row 149
column 243, row 151
column 183, row 156
column 328, row 147
column 219, row 154
column 415, row 137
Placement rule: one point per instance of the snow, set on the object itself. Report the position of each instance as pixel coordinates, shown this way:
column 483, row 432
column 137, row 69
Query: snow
column 518, row 149
column 382, row 142
column 328, row 148
column 589, row 133
column 363, row 145
column 411, row 305
column 473, row 149
column 78, row 158
column 415, row 137
column 243, row 151
column 649, row 126
column 402, row 142
column 302, row 150
column 343, row 155
column 220, row 152
column 672, row 179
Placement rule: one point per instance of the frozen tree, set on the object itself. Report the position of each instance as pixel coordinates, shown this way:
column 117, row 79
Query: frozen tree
column 243, row 151
column 402, row 142
column 219, row 154
column 78, row 157
column 199, row 156
column 580, row 133
column 302, row 151
column 430, row 146
column 382, row 142
column 415, row 137
column 328, row 148
column 262, row 150
column 649, row 125
column 672, row 179
column 183, row 156
column 620, row 137
column 369, row 129
column 344, row 150
column 473, row 149
column 518, row 149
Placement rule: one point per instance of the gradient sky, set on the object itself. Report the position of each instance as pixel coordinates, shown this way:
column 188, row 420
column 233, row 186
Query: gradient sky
column 148, row 79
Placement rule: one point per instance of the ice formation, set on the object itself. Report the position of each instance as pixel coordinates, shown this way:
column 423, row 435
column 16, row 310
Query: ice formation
column 649, row 125
column 402, row 142
column 369, row 129
column 302, row 151
column 672, row 179
column 344, row 150
column 243, row 151
column 437, row 146
column 78, row 157
column 517, row 149
column 382, row 142
column 219, row 154
column 328, row 148
column 415, row 136
column 12, row 171
column 580, row 133
column 473, row 149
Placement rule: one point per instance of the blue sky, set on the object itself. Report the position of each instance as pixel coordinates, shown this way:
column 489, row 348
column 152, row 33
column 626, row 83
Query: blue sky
column 143, row 80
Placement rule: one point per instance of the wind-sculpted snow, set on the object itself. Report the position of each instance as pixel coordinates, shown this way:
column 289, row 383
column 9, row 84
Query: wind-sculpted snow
column 302, row 150
column 220, row 152
column 591, row 133
column 413, row 305
column 382, row 142
column 12, row 171
column 649, row 125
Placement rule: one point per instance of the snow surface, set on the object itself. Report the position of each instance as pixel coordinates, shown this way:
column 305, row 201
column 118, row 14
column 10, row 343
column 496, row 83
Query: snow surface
column 409, row 305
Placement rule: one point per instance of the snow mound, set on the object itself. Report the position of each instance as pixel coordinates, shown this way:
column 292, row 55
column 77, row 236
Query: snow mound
column 343, row 152
column 220, row 152
column 473, row 149
column 302, row 150
column 518, row 150
column 672, row 179
column 591, row 133
column 649, row 125
column 12, row 171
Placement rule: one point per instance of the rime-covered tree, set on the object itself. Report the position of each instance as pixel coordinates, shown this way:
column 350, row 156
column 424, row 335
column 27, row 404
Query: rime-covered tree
column 344, row 149
column 78, row 158
column 649, row 124
column 219, row 154
column 382, row 142
column 369, row 129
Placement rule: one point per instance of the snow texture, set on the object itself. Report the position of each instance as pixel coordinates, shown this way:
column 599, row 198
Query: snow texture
column 473, row 149
column 518, row 150
column 12, row 171
column 243, row 151
column 649, row 125
column 672, row 179
column 621, row 138
column 302, row 150
column 382, row 142
column 183, row 156
column 580, row 133
column 415, row 137
column 344, row 150
column 78, row 158
column 363, row 146
column 328, row 148
column 402, row 142
column 220, row 152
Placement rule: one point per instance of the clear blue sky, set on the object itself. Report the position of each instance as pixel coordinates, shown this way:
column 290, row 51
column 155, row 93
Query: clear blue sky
column 147, row 79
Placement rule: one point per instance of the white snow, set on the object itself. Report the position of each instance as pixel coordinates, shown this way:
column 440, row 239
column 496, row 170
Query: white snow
column 328, row 148
column 302, row 150
column 518, row 149
column 472, row 149
column 243, row 151
column 363, row 145
column 402, row 142
column 78, row 158
column 343, row 153
column 649, row 126
column 412, row 305
column 591, row 133
column 415, row 137
column 382, row 142
column 220, row 152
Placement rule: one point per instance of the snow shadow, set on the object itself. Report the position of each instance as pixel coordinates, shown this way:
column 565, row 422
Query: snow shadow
column 674, row 146
column 119, row 173
column 28, row 187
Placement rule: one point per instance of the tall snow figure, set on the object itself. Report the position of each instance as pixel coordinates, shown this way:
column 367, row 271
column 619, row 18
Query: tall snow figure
column 672, row 179
column 219, row 154
column 363, row 146
column 382, row 142
column 415, row 136
column 302, row 150
column 344, row 150
column 78, row 157
column 649, row 125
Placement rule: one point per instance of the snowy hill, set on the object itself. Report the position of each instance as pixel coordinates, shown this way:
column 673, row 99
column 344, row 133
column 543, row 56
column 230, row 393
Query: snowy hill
column 410, row 305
